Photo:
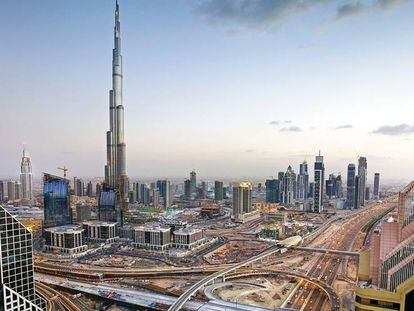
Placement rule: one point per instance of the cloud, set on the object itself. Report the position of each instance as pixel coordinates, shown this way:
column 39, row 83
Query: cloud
column 345, row 126
column 395, row 130
column 249, row 150
column 349, row 9
column 291, row 129
column 276, row 122
column 265, row 14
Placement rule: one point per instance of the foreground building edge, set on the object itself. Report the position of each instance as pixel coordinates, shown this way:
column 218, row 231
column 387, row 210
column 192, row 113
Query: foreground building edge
column 16, row 253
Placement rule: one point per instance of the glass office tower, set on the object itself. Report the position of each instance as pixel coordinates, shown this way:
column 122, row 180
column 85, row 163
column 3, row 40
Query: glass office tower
column 56, row 201
column 17, row 287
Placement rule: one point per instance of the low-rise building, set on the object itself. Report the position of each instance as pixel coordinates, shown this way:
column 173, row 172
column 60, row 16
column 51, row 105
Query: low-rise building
column 66, row 239
column 188, row 238
column 154, row 237
column 100, row 231
column 246, row 217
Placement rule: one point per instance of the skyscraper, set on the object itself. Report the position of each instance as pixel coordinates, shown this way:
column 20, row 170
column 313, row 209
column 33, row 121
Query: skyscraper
column 26, row 178
column 272, row 191
column 319, row 177
column 187, row 188
column 2, row 193
column 303, row 182
column 106, row 205
column 357, row 195
column 164, row 189
column 17, row 286
column 115, row 168
column 56, row 201
column 376, row 185
column 136, row 187
column 89, row 190
column 362, row 173
column 11, row 190
column 350, row 186
column 193, row 182
column 218, row 190
column 288, row 188
column 18, row 191
column 78, row 187
column 242, row 198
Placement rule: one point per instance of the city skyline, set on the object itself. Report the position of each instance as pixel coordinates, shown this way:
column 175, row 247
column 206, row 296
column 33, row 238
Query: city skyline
column 218, row 130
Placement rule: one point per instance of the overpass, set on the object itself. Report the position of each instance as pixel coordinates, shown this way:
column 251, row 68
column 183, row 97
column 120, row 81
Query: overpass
column 179, row 303
column 325, row 251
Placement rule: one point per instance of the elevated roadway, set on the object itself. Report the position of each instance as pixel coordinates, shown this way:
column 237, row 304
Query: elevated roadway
column 221, row 274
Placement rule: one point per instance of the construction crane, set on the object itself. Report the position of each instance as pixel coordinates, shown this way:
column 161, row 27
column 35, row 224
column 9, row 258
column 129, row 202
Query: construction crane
column 64, row 169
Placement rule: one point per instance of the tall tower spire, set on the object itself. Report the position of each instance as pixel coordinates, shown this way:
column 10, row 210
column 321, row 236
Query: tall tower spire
column 115, row 169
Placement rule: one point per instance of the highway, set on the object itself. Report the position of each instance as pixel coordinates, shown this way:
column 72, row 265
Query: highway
column 200, row 284
column 55, row 301
column 326, row 267
column 141, row 298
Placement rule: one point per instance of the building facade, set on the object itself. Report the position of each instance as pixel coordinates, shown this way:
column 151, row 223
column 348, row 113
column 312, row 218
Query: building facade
column 362, row 174
column 56, row 199
column 350, row 187
column 242, row 199
column 100, row 231
column 376, row 185
column 115, row 169
column 272, row 191
column 65, row 239
column 319, row 177
column 152, row 237
column 218, row 190
column 26, row 177
column 17, row 287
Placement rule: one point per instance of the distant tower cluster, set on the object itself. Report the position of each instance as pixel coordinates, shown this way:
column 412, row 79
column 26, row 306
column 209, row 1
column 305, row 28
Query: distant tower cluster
column 115, row 169
column 26, row 177
column 357, row 190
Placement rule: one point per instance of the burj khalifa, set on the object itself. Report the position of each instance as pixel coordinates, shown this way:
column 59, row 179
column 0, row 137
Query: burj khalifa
column 115, row 168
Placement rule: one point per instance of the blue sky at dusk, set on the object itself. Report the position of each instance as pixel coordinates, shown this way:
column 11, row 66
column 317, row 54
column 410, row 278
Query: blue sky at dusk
column 230, row 88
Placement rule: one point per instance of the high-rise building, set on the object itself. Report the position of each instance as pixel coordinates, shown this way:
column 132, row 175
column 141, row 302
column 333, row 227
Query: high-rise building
column 145, row 199
column 78, row 187
column 107, row 205
column 164, row 189
column 319, row 177
column 11, row 190
column 218, row 190
column 187, row 188
column 202, row 191
column 386, row 266
column 98, row 189
column 338, row 186
column 89, row 190
column 303, row 182
column 26, row 178
column 136, row 187
column 288, row 188
column 2, row 192
column 376, row 185
column 350, row 186
column 242, row 198
column 17, row 191
column 193, row 182
column 56, row 201
column 115, row 168
column 329, row 188
column 311, row 189
column 17, row 285
column 272, row 191
column 367, row 193
column 362, row 173
column 357, row 195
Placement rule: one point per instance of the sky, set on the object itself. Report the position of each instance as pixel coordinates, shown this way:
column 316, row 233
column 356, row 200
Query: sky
column 235, row 89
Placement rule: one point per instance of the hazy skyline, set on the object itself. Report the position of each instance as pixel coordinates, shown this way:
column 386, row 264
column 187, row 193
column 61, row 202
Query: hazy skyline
column 232, row 89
